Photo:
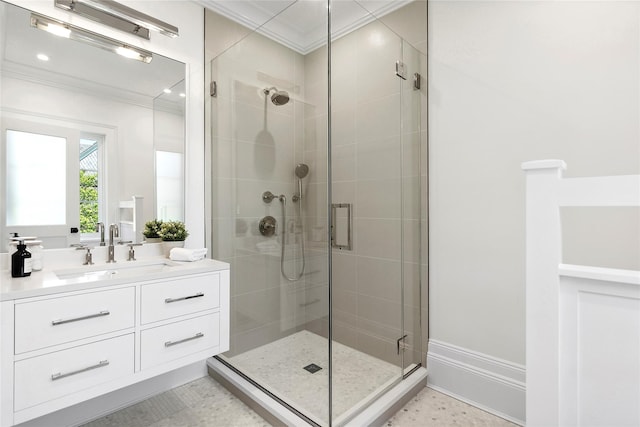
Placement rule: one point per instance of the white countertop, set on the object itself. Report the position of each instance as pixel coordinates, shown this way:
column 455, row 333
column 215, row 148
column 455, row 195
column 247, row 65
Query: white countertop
column 53, row 280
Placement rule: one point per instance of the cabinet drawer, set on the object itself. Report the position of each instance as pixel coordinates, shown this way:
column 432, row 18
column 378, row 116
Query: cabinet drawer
column 180, row 339
column 58, row 374
column 54, row 321
column 178, row 297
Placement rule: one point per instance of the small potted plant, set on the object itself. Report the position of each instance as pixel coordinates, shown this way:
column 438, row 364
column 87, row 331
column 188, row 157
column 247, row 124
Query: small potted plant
column 152, row 231
column 173, row 234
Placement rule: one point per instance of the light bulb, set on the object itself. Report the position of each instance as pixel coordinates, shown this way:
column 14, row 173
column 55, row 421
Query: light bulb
column 58, row 30
column 127, row 53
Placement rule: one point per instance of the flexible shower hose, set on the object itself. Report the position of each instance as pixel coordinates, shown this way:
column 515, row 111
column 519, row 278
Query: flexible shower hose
column 283, row 200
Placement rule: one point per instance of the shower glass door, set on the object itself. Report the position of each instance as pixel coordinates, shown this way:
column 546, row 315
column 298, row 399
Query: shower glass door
column 375, row 173
column 315, row 201
column 265, row 120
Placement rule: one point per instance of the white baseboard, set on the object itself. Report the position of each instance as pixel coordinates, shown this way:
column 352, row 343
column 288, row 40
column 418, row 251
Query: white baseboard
column 491, row 384
column 119, row 399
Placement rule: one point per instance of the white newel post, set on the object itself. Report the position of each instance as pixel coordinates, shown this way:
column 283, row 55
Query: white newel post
column 543, row 255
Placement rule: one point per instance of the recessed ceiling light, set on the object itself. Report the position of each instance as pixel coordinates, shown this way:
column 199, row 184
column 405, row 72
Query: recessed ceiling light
column 182, row 95
column 42, row 57
column 167, row 90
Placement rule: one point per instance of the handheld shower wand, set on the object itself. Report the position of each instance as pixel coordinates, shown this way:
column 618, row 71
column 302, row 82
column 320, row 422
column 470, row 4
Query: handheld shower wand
column 302, row 170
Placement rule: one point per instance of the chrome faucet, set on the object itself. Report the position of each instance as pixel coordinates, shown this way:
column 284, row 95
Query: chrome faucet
column 132, row 253
column 100, row 228
column 88, row 257
column 113, row 232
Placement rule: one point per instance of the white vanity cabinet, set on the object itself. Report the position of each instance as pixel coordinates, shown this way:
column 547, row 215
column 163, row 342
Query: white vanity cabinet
column 60, row 347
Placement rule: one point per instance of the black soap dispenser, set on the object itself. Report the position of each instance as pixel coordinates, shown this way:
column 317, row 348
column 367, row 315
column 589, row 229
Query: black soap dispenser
column 21, row 261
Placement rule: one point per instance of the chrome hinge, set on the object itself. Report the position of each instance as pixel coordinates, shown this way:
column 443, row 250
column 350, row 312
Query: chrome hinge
column 401, row 344
column 401, row 70
column 213, row 89
column 416, row 81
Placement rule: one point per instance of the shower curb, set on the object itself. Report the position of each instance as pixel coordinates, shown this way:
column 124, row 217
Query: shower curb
column 392, row 401
column 263, row 404
column 375, row 415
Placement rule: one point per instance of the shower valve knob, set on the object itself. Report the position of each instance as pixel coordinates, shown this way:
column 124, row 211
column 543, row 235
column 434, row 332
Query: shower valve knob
column 268, row 196
column 267, row 226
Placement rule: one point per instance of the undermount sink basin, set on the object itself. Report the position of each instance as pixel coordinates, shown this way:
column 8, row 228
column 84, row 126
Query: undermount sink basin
column 114, row 271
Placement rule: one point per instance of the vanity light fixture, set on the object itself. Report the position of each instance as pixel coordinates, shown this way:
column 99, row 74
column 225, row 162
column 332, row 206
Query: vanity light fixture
column 131, row 53
column 50, row 26
column 118, row 16
column 97, row 40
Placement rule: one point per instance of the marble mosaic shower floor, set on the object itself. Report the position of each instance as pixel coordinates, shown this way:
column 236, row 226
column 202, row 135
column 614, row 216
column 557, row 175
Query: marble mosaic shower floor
column 280, row 367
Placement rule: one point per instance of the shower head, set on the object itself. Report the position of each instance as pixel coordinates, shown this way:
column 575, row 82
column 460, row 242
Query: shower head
column 279, row 97
column 302, row 170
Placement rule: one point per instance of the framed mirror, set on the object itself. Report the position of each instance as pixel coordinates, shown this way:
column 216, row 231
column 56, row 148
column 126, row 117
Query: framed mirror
column 83, row 131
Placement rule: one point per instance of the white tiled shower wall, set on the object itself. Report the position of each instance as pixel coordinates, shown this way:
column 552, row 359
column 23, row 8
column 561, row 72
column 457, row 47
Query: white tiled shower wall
column 378, row 138
column 254, row 150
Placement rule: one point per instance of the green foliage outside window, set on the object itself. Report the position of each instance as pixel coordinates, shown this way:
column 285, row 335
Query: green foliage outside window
column 88, row 201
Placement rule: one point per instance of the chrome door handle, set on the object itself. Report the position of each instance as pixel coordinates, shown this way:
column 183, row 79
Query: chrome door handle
column 170, row 300
column 196, row 336
column 59, row 375
column 76, row 319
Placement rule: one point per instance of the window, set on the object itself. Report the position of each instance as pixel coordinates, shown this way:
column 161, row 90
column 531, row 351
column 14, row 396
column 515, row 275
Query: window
column 54, row 182
column 36, row 179
column 90, row 202
column 169, row 186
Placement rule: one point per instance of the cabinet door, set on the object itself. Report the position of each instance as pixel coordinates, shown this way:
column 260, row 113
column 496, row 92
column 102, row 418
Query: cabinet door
column 165, row 300
column 179, row 339
column 49, row 322
column 53, row 375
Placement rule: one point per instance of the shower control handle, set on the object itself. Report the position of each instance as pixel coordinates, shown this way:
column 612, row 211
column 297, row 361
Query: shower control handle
column 267, row 226
column 268, row 197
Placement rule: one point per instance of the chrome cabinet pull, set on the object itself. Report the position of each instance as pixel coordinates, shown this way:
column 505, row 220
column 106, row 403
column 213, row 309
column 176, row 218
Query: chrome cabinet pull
column 75, row 319
column 60, row 375
column 196, row 336
column 170, row 300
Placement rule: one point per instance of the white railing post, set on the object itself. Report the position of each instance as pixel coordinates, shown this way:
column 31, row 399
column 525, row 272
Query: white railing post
column 543, row 255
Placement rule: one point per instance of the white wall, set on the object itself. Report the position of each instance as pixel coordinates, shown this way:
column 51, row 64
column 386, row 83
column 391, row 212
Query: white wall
column 510, row 82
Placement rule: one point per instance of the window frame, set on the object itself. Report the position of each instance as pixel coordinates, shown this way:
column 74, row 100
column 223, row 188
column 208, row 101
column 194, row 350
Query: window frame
column 108, row 182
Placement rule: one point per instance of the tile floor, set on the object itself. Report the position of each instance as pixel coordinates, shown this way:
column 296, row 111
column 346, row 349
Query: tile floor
column 205, row 403
column 356, row 374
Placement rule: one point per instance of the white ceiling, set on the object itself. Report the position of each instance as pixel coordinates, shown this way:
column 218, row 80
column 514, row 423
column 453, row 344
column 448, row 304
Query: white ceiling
column 302, row 25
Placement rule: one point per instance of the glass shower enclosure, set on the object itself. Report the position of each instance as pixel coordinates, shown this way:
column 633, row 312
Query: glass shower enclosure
column 316, row 158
